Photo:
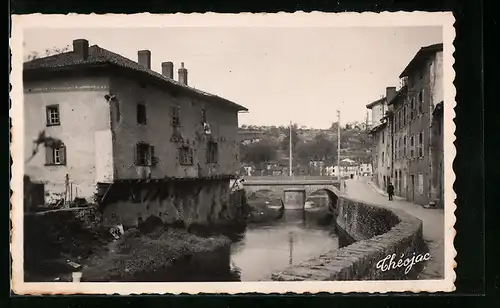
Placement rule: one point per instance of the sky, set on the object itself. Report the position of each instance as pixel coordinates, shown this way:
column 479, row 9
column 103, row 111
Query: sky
column 280, row 74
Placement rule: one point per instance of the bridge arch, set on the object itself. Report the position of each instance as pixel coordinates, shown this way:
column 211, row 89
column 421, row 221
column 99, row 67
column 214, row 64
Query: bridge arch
column 331, row 193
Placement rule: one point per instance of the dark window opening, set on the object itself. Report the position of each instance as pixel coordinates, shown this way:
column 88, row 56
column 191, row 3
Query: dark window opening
column 404, row 146
column 412, row 108
column 404, row 115
column 117, row 109
column 421, row 145
column 212, row 152
column 175, row 114
column 53, row 117
column 141, row 114
column 144, row 155
column 412, row 149
column 203, row 116
column 55, row 155
column 186, row 156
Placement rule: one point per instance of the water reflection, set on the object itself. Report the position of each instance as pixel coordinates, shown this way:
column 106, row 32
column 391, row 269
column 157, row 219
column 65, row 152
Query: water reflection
column 270, row 247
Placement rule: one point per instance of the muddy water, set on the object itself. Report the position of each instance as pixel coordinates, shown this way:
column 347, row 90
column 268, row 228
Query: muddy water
column 270, row 247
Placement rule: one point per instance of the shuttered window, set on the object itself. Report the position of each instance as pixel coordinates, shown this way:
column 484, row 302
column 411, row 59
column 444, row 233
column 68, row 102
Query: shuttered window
column 212, row 152
column 55, row 155
column 144, row 154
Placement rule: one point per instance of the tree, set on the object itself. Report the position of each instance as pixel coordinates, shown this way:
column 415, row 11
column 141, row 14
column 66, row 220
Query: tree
column 48, row 52
column 258, row 152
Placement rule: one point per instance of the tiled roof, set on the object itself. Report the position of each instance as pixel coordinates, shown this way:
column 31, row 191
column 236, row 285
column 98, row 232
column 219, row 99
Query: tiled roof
column 422, row 54
column 101, row 56
column 377, row 127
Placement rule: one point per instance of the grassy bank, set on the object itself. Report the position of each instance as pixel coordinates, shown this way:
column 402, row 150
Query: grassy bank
column 136, row 254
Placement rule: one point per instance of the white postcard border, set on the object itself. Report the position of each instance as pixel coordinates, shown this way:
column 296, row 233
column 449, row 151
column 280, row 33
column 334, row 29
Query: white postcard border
column 298, row 19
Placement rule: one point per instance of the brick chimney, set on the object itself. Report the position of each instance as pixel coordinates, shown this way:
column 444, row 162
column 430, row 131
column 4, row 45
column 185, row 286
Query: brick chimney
column 390, row 93
column 144, row 58
column 183, row 75
column 81, row 48
column 167, row 69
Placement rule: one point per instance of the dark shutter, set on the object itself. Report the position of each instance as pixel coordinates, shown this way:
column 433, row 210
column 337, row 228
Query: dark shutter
column 62, row 154
column 152, row 153
column 49, row 155
column 136, row 154
column 47, row 115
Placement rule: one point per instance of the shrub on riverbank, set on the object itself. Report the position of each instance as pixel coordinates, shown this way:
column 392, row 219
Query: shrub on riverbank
column 52, row 238
column 135, row 253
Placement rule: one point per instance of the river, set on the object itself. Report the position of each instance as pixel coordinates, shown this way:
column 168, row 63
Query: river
column 273, row 246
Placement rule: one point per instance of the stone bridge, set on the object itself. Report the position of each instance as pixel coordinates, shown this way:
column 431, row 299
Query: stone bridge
column 293, row 190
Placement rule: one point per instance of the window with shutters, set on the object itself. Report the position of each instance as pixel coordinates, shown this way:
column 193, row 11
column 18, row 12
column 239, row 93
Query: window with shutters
column 186, row 156
column 421, row 144
column 412, row 108
column 175, row 115
column 400, row 146
column 53, row 116
column 144, row 154
column 412, row 147
column 55, row 156
column 404, row 146
column 141, row 114
column 212, row 152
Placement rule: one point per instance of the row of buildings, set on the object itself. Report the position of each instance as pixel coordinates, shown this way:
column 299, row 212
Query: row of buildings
column 126, row 133
column 408, row 131
column 348, row 168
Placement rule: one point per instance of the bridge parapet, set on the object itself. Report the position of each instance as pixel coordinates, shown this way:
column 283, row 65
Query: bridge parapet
column 282, row 185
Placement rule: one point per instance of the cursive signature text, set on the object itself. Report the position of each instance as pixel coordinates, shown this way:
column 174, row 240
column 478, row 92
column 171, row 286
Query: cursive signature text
column 389, row 262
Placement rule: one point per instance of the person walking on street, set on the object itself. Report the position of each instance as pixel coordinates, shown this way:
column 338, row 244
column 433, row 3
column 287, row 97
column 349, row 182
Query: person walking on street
column 390, row 191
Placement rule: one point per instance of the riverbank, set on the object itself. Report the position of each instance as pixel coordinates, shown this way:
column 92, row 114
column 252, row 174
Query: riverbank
column 58, row 243
column 139, row 257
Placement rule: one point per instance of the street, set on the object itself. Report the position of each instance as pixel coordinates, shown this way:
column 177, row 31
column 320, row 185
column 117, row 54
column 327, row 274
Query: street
column 432, row 219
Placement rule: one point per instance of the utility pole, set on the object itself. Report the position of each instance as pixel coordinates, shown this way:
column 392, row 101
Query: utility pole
column 290, row 149
column 338, row 143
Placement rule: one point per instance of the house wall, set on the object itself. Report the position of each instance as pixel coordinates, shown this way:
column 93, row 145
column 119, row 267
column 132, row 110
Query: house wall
column 158, row 132
column 436, row 95
column 378, row 112
column 381, row 166
column 84, row 129
column 436, row 79
column 418, row 184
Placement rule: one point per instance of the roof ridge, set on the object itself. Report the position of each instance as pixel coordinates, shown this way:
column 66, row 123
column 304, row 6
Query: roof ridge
column 100, row 55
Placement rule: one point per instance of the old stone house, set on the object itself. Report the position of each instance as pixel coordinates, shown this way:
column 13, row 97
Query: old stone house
column 138, row 142
column 416, row 126
column 380, row 133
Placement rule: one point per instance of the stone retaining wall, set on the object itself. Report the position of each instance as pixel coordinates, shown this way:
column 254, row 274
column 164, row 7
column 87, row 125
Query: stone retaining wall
column 375, row 233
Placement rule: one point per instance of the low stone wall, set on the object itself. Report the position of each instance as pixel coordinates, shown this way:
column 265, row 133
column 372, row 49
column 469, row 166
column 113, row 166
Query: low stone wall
column 374, row 233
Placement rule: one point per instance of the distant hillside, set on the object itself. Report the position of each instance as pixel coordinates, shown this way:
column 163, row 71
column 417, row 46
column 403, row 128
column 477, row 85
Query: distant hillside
column 309, row 144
